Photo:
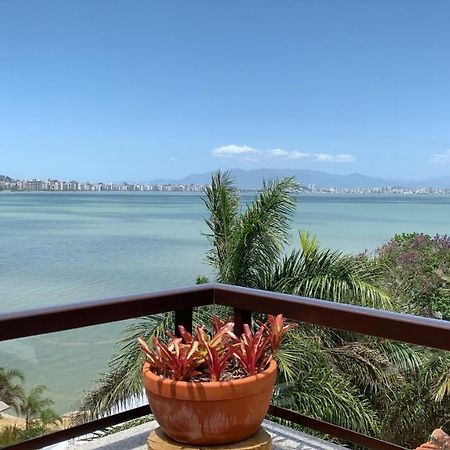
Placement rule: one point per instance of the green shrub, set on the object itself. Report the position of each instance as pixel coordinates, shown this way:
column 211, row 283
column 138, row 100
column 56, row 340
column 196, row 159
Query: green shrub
column 419, row 276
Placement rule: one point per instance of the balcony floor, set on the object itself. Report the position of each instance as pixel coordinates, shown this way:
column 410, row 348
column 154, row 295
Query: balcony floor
column 135, row 438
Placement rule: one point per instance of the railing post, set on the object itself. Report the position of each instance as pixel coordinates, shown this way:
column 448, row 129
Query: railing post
column 183, row 317
column 241, row 316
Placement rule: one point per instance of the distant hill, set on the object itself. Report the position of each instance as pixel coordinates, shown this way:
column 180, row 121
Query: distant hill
column 251, row 179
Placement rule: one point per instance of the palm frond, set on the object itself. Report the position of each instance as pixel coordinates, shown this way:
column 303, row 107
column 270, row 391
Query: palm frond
column 440, row 376
column 329, row 275
column 415, row 410
column 308, row 383
column 442, row 388
column 407, row 358
column 367, row 368
column 323, row 394
column 222, row 202
column 308, row 244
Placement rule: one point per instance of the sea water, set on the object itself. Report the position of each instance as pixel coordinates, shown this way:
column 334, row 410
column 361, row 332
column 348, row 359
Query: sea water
column 59, row 248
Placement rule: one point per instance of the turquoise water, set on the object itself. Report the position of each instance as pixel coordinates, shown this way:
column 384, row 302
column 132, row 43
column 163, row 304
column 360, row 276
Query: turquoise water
column 64, row 247
column 357, row 223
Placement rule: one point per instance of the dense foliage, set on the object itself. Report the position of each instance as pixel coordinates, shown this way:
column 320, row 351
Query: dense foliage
column 419, row 276
column 419, row 279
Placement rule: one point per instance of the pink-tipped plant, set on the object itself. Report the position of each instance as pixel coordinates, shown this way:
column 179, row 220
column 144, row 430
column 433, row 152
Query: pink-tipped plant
column 175, row 360
column 251, row 350
column 278, row 328
column 204, row 357
column 216, row 350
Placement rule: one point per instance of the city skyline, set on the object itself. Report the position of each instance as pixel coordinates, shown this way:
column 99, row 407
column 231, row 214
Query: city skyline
column 75, row 186
column 308, row 180
column 143, row 90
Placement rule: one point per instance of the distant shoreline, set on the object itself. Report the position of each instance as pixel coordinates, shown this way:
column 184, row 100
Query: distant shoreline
column 308, row 181
column 319, row 193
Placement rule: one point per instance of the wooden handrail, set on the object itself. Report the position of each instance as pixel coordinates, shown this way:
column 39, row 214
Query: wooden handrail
column 385, row 324
column 407, row 328
column 76, row 315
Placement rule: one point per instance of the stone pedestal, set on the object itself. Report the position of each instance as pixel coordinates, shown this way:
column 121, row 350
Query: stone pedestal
column 259, row 441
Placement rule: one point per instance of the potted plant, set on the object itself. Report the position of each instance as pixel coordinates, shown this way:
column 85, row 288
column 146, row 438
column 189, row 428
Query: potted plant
column 213, row 389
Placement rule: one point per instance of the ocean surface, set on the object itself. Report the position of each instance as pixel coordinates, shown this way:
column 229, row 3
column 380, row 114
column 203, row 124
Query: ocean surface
column 59, row 248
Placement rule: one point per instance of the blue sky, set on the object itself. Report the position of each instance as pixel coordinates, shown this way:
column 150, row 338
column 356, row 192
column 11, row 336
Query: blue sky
column 138, row 90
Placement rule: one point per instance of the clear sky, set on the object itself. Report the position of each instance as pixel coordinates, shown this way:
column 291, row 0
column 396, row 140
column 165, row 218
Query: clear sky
column 138, row 90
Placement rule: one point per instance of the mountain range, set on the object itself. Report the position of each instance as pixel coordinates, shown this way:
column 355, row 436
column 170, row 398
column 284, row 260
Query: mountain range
column 252, row 179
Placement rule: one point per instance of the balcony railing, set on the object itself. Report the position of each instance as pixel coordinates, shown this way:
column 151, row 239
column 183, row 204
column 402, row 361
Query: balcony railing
column 410, row 329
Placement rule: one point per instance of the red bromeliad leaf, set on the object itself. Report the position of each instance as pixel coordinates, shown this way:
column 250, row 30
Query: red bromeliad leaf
column 218, row 323
column 225, row 332
column 186, row 336
column 215, row 350
column 251, row 350
column 216, row 362
column 175, row 360
column 277, row 329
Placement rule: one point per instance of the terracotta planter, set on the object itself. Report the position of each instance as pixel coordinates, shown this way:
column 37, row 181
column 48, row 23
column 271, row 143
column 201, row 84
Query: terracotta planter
column 439, row 441
column 210, row 413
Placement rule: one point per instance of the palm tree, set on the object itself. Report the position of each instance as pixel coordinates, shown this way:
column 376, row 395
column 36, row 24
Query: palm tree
column 11, row 390
column 245, row 246
column 37, row 410
column 341, row 377
column 247, row 249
